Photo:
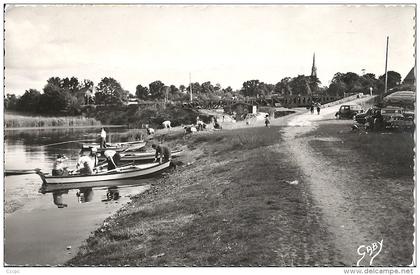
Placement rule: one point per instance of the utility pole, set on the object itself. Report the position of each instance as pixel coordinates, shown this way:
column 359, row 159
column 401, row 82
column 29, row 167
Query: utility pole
column 386, row 66
column 191, row 99
column 165, row 88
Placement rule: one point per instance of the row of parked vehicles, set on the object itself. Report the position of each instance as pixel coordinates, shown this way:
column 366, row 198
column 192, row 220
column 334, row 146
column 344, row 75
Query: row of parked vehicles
column 378, row 118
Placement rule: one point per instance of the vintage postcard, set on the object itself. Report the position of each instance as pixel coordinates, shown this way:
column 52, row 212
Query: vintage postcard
column 209, row 135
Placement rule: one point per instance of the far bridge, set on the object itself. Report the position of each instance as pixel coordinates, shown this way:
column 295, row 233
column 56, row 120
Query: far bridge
column 274, row 101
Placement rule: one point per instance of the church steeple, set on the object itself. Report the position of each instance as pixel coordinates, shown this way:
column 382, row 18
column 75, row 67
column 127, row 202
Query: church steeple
column 313, row 72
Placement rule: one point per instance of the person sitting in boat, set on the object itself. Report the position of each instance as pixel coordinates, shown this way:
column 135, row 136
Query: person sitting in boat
column 112, row 158
column 60, row 166
column 86, row 162
column 103, row 138
column 163, row 152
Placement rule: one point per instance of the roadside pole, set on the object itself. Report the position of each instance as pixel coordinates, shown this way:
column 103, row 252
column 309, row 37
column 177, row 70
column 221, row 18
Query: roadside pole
column 190, row 90
column 386, row 67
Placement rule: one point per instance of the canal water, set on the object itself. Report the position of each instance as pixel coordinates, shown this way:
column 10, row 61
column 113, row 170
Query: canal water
column 37, row 230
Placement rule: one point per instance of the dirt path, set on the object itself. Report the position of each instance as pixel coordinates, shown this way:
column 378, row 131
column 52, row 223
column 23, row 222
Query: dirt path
column 322, row 180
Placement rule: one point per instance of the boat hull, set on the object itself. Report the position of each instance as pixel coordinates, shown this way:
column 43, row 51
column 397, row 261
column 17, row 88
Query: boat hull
column 144, row 156
column 11, row 172
column 119, row 147
column 53, row 183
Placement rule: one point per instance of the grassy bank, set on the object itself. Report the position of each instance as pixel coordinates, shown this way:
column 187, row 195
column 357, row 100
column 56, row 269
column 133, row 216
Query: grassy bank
column 17, row 121
column 380, row 192
column 232, row 205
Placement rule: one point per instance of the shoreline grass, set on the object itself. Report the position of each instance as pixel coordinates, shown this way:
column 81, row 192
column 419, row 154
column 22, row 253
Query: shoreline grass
column 22, row 121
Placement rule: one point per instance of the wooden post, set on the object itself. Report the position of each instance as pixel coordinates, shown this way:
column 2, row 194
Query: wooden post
column 386, row 65
column 191, row 98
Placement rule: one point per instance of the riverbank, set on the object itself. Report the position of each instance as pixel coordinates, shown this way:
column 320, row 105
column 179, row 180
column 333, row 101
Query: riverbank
column 235, row 204
column 16, row 121
column 307, row 192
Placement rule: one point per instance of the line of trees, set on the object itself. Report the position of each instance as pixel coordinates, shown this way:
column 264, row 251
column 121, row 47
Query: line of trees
column 353, row 83
column 66, row 96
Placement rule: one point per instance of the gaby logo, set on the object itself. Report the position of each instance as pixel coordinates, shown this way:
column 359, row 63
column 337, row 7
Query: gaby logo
column 372, row 250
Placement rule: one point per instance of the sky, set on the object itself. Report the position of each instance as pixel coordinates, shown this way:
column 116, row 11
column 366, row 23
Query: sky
column 225, row 44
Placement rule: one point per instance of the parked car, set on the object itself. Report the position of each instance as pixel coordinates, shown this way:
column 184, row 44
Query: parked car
column 361, row 118
column 348, row 111
column 396, row 117
column 409, row 115
column 391, row 118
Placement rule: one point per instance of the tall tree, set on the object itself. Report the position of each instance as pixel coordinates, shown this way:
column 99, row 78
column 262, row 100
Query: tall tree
column 250, row 88
column 207, row 87
column 155, row 89
column 283, row 87
column 142, row 92
column 11, row 102
column 70, row 84
column 173, row 89
column 29, row 101
column 54, row 100
column 54, row 81
column 228, row 89
column 85, row 84
column 394, row 79
column 109, row 91
column 300, row 85
column 337, row 86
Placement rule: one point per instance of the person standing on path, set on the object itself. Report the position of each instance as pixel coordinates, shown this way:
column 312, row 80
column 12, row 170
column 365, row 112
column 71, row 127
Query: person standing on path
column 318, row 108
column 267, row 121
column 312, row 108
column 103, row 138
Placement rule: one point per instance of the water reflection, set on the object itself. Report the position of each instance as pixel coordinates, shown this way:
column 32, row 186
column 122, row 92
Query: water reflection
column 25, row 149
column 58, row 198
column 113, row 194
column 85, row 195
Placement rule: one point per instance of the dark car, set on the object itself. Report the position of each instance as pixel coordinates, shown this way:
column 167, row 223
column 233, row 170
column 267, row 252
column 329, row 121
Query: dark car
column 390, row 118
column 397, row 117
column 348, row 111
column 361, row 118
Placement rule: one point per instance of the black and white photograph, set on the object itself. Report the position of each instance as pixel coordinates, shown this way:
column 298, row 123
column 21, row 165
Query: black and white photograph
column 210, row 135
